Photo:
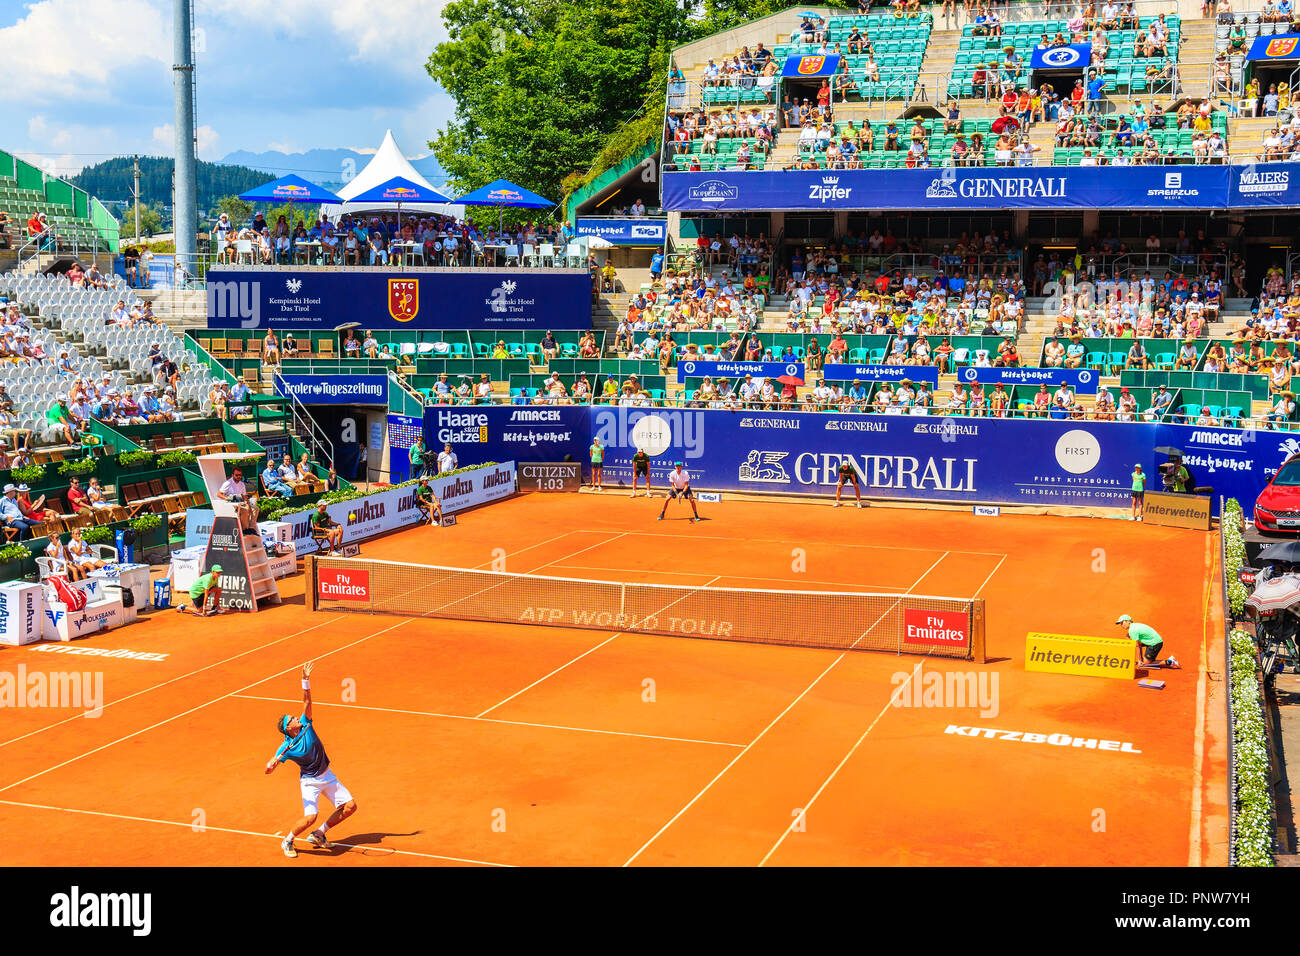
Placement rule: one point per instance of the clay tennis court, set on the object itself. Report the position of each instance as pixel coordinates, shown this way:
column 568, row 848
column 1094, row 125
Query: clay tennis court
column 491, row 744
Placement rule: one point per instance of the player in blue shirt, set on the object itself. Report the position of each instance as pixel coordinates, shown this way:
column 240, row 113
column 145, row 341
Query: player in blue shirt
column 303, row 747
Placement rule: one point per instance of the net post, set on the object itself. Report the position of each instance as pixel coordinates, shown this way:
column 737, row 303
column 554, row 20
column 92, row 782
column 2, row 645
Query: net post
column 313, row 592
column 977, row 631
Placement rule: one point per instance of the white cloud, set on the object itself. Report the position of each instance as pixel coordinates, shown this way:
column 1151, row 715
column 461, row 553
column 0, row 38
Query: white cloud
column 164, row 139
column 397, row 33
column 80, row 49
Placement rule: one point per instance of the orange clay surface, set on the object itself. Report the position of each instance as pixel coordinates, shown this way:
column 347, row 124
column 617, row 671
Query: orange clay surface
column 511, row 744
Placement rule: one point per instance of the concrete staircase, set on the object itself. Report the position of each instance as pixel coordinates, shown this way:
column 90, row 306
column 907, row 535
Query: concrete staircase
column 1195, row 57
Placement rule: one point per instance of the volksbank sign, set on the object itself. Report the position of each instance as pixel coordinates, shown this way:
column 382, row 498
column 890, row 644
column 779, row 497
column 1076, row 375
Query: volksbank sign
column 1028, row 187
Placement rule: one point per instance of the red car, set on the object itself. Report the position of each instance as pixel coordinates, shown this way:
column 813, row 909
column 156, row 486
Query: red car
column 1277, row 509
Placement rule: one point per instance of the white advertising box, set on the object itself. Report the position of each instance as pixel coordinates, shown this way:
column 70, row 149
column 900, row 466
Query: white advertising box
column 21, row 610
column 60, row 624
column 132, row 576
column 187, row 565
column 106, row 614
column 113, row 592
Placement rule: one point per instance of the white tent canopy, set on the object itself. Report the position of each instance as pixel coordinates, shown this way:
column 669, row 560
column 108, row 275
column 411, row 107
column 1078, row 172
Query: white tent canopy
column 388, row 162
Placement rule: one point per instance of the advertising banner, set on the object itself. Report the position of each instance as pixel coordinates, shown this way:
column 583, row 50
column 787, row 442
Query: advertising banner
column 225, row 547
column 1084, row 381
column 1072, row 57
column 1015, row 187
column 510, row 432
column 984, row 460
column 797, row 67
column 1264, row 184
column 335, row 389
column 694, row 368
column 531, row 299
column 395, row 508
column 844, row 372
column 1279, row 46
column 624, row 231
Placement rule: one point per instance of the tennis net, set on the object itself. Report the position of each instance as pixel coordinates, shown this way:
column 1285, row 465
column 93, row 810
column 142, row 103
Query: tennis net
column 843, row 620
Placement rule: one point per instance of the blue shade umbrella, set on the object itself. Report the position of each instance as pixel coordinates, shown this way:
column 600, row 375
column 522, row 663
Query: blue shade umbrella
column 400, row 190
column 502, row 193
column 292, row 189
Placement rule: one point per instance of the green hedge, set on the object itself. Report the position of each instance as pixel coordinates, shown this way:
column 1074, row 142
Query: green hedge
column 1234, row 547
column 1252, row 789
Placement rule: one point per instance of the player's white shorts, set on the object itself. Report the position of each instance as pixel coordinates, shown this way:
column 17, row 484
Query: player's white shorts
column 327, row 784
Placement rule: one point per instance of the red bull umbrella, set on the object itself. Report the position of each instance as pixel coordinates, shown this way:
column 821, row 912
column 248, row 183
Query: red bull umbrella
column 290, row 189
column 502, row 193
column 399, row 190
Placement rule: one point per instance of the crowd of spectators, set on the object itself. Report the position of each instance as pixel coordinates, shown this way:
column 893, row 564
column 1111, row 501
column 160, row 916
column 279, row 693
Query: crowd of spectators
column 755, row 129
column 376, row 240
column 16, row 343
column 86, row 399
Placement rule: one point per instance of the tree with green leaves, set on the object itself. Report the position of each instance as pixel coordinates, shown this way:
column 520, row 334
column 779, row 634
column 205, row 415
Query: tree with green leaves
column 238, row 211
column 541, row 86
column 538, row 86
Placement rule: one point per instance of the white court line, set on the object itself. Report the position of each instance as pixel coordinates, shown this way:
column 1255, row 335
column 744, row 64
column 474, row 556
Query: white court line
column 749, row 577
column 803, row 813
column 252, row 650
column 498, row 720
column 837, row 544
column 763, row 732
column 990, row 577
column 215, row 700
column 602, row 541
column 551, row 674
column 173, row 680
column 251, row 833
column 186, row 713
column 582, row 655
column 562, row 534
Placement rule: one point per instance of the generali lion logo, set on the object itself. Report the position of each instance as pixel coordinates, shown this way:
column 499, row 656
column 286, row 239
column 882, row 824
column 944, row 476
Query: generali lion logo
column 1277, row 48
column 403, row 299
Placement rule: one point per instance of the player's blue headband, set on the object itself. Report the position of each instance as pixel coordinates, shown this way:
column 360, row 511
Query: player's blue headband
column 283, row 724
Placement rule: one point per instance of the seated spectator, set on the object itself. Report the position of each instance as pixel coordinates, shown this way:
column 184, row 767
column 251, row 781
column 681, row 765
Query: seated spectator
column 12, row 521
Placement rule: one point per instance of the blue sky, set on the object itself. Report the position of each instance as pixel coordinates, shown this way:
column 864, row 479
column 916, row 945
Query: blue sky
column 90, row 79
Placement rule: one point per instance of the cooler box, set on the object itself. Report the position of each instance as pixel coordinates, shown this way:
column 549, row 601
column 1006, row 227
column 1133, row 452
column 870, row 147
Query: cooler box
column 132, row 576
column 22, row 607
column 187, row 565
column 60, row 624
column 162, row 593
column 106, row 614
column 114, row 593
column 276, row 534
column 282, row 565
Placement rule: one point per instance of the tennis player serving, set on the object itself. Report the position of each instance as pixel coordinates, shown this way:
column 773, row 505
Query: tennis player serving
column 303, row 747
column 679, row 486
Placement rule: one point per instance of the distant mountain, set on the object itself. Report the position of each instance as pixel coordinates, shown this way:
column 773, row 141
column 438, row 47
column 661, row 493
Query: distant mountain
column 330, row 168
column 110, row 181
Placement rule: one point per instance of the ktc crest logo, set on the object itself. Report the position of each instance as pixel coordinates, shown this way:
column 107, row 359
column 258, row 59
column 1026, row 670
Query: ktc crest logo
column 1280, row 48
column 811, row 65
column 403, row 299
